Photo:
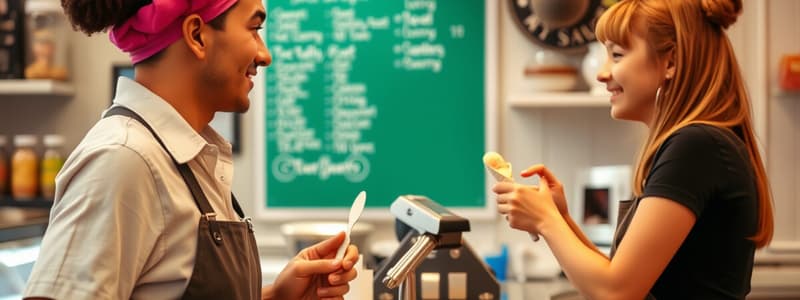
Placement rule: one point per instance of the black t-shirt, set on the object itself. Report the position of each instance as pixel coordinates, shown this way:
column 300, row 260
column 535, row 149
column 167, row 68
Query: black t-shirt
column 708, row 170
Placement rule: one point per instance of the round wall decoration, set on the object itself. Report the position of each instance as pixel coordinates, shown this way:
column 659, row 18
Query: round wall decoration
column 559, row 24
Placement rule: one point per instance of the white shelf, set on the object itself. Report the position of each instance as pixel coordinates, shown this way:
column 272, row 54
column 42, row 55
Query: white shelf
column 565, row 99
column 784, row 93
column 35, row 87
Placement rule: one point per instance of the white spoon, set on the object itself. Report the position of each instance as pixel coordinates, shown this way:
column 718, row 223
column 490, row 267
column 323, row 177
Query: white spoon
column 355, row 213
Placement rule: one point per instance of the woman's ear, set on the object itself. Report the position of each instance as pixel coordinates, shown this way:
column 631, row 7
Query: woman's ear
column 670, row 71
column 193, row 36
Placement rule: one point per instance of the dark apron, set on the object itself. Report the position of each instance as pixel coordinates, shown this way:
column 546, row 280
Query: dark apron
column 627, row 208
column 226, row 264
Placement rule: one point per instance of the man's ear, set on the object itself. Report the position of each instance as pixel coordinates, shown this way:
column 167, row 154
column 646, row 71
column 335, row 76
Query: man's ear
column 193, row 35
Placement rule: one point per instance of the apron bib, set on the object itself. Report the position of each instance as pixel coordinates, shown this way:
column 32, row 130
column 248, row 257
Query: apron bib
column 226, row 264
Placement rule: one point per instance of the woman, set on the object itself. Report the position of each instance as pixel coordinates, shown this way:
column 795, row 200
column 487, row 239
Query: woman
column 702, row 203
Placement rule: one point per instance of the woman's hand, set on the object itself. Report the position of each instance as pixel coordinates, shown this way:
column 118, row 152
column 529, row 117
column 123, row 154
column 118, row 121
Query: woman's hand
column 526, row 207
column 315, row 274
column 556, row 188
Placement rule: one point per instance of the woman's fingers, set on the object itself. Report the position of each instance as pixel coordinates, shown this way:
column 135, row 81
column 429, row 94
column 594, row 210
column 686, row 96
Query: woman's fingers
column 544, row 183
column 505, row 198
column 542, row 171
column 502, row 187
column 503, row 208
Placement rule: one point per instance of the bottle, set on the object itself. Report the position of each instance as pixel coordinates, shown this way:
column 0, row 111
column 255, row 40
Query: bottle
column 47, row 38
column 4, row 168
column 52, row 161
column 24, row 168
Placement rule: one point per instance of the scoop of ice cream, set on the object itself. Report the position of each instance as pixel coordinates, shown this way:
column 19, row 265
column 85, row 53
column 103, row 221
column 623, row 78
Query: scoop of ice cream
column 495, row 161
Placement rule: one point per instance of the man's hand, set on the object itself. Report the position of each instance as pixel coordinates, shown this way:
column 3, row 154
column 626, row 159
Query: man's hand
column 315, row 274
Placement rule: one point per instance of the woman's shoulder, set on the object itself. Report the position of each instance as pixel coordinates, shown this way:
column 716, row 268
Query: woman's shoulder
column 704, row 143
column 701, row 131
column 704, row 135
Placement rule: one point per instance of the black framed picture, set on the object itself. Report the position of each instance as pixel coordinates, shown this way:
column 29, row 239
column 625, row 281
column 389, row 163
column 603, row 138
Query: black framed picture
column 226, row 123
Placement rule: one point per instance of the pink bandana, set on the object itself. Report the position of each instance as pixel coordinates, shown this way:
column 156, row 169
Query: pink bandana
column 157, row 25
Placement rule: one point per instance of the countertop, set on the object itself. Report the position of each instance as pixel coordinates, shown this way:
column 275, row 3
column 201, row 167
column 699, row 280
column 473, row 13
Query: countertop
column 556, row 288
column 769, row 282
column 22, row 223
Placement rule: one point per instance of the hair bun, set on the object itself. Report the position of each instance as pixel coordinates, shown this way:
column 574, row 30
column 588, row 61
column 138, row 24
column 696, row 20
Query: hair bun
column 722, row 12
column 91, row 16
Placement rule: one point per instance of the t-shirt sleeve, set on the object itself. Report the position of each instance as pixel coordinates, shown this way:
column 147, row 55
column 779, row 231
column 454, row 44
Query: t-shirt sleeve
column 101, row 229
column 687, row 168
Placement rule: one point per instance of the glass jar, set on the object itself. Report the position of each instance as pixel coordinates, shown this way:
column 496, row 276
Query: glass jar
column 52, row 161
column 4, row 168
column 24, row 177
column 46, row 29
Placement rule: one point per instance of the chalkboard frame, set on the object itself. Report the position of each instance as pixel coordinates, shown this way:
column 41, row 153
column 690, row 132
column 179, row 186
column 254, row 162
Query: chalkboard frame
column 491, row 104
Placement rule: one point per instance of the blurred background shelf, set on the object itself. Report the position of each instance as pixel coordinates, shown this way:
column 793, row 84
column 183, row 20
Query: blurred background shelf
column 785, row 93
column 22, row 223
column 42, row 87
column 555, row 99
column 6, row 201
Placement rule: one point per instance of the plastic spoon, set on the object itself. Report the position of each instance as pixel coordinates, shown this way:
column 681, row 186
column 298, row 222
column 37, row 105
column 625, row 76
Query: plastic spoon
column 355, row 213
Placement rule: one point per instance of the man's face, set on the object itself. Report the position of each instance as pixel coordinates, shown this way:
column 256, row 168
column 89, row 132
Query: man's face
column 236, row 51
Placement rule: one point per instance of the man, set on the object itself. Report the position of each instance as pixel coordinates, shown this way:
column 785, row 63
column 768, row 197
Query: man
column 143, row 207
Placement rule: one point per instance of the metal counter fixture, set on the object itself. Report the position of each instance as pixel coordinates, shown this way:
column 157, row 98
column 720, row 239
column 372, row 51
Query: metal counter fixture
column 423, row 246
column 434, row 228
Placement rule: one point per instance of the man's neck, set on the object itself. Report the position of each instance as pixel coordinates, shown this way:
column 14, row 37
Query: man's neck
column 179, row 90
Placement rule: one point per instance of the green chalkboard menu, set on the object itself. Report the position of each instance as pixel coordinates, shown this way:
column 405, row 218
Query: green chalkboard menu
column 387, row 96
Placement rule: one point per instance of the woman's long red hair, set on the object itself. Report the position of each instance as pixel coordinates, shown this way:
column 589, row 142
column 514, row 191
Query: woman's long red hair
column 707, row 88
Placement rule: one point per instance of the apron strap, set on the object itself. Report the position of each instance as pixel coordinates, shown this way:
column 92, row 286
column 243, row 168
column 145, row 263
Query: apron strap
column 237, row 207
column 186, row 173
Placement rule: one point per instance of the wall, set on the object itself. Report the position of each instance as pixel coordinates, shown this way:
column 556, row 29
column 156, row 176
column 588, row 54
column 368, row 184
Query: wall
column 554, row 137
column 766, row 31
column 528, row 136
column 90, row 74
column 565, row 139
column 71, row 116
column 783, row 124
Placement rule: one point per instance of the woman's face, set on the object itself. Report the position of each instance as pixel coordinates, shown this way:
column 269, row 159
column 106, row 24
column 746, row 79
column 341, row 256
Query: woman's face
column 632, row 75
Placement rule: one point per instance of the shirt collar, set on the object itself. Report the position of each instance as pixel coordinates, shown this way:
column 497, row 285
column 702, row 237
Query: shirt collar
column 180, row 139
